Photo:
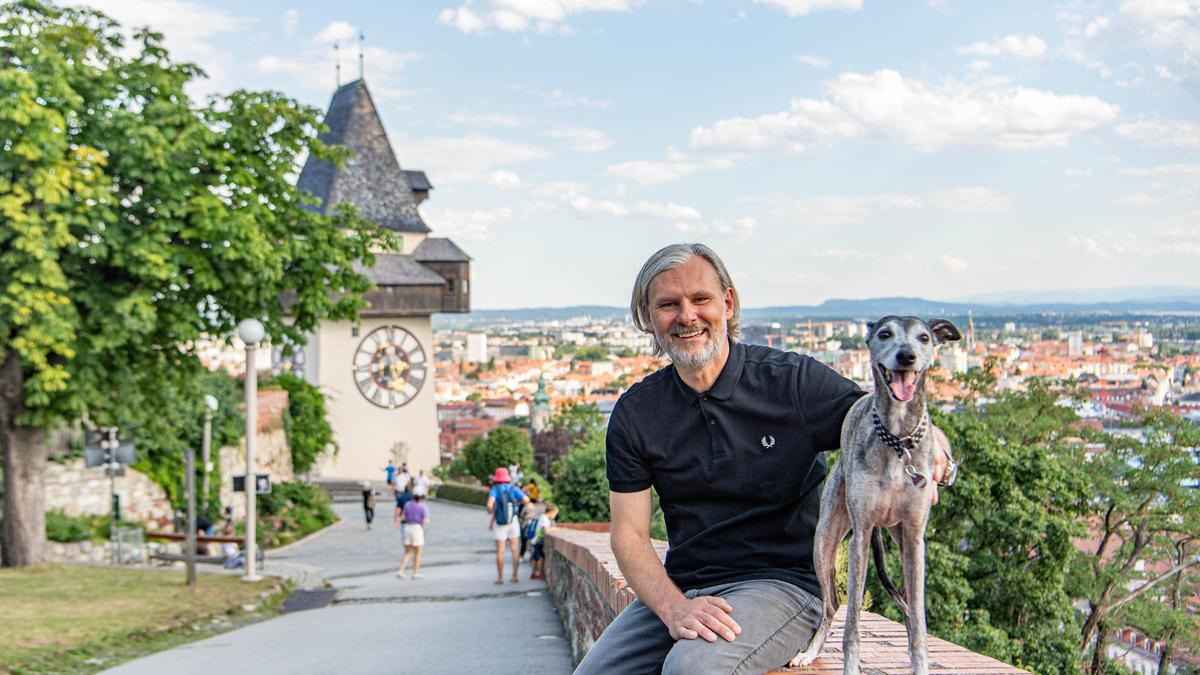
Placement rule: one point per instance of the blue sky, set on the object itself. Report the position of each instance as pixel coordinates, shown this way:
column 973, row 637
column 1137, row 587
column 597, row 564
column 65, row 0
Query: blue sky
column 825, row 148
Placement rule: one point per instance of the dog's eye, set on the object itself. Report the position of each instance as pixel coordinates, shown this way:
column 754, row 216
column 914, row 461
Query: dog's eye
column 884, row 334
column 923, row 337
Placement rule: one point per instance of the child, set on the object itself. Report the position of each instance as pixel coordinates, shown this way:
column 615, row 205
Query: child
column 416, row 517
column 368, row 502
column 544, row 522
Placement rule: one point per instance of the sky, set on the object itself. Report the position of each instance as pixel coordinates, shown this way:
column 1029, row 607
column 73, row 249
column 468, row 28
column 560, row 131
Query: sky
column 824, row 148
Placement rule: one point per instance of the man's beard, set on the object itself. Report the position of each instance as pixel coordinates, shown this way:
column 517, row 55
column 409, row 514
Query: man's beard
column 697, row 357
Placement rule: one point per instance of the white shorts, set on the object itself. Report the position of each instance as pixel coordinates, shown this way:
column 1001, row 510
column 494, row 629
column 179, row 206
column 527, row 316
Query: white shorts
column 510, row 531
column 414, row 535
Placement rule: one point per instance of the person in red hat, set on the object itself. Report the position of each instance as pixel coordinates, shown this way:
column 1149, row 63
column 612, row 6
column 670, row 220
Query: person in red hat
column 502, row 503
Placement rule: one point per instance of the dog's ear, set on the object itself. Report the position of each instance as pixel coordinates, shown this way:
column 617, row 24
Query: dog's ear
column 944, row 331
column 870, row 331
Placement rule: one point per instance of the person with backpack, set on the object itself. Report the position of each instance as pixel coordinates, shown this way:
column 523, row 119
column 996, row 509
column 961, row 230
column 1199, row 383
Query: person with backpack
column 368, row 494
column 503, row 521
column 537, row 537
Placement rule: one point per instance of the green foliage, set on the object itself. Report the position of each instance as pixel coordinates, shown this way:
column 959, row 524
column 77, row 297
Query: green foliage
column 63, row 528
column 164, row 431
column 458, row 492
column 591, row 353
column 583, row 421
column 501, row 446
column 291, row 511
column 136, row 222
column 581, row 484
column 518, row 421
column 307, row 423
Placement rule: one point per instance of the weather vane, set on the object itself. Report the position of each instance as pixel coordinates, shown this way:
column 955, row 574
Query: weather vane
column 337, row 60
column 360, row 55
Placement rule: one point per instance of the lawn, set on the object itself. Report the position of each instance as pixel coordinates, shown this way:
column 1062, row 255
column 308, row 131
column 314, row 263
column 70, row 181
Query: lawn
column 76, row 618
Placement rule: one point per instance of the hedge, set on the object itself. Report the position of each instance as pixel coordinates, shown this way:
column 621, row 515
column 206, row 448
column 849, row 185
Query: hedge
column 457, row 492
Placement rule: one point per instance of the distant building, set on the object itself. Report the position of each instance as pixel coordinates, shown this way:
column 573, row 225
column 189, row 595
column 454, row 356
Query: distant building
column 477, row 347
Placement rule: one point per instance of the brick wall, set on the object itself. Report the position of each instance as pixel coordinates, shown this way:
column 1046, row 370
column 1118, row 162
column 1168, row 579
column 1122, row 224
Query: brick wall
column 589, row 591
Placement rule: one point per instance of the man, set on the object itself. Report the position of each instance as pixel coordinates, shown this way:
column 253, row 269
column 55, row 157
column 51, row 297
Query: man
column 502, row 504
column 402, row 487
column 730, row 437
column 420, row 485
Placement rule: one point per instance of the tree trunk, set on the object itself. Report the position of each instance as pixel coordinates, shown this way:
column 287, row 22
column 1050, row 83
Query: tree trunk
column 1093, row 620
column 25, row 455
column 1099, row 662
column 25, row 451
column 1164, row 660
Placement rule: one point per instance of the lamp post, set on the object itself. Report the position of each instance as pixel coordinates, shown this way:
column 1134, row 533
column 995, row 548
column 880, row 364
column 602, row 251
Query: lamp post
column 210, row 407
column 251, row 332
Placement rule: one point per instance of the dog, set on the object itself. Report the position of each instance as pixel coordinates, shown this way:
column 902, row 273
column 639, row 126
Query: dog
column 883, row 479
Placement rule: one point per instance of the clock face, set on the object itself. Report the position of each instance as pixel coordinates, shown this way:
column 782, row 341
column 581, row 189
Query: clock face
column 389, row 367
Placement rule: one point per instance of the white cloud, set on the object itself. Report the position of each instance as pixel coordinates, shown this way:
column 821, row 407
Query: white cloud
column 954, row 264
column 1163, row 170
column 1089, row 246
column 978, row 65
column 291, row 21
column 189, row 30
column 581, row 139
column 1077, row 173
column 741, row 228
column 796, row 8
column 559, row 99
column 473, row 157
column 336, row 31
column 472, row 225
column 547, row 17
column 1162, row 133
column 475, row 119
column 668, row 211
column 849, row 210
column 1109, row 245
column 814, row 61
column 676, row 167
column 885, row 105
column 504, row 179
column 1028, row 46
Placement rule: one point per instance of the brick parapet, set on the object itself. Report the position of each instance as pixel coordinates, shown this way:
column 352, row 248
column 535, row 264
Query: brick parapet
column 589, row 590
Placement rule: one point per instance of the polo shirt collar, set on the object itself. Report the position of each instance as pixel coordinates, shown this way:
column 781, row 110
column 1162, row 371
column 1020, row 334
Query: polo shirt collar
column 723, row 388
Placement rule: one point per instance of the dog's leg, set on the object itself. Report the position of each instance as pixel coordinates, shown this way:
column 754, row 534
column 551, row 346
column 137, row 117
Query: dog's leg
column 897, row 532
column 860, row 545
column 912, row 554
column 832, row 527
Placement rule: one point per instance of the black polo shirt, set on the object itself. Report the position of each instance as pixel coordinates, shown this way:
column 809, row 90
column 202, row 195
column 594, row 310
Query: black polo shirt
column 738, row 468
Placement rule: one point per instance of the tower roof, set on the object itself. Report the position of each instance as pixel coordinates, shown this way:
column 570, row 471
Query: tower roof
column 371, row 179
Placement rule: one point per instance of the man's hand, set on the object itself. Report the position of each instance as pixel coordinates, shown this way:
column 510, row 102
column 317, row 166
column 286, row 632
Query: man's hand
column 705, row 617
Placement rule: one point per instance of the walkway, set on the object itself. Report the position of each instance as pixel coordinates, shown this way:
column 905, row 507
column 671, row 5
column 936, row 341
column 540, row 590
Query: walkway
column 454, row 620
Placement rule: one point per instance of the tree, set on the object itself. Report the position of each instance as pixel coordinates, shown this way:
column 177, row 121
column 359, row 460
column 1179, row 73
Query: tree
column 134, row 222
column 499, row 447
column 581, row 482
column 591, row 353
column 1145, row 516
column 583, row 420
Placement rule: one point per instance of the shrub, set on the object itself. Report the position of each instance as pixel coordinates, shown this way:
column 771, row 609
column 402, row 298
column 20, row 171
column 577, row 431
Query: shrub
column 291, row 511
column 63, row 528
column 581, row 484
column 308, row 430
column 499, row 447
column 466, row 494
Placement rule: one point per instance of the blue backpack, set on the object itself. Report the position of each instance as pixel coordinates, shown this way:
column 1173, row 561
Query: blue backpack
column 504, row 504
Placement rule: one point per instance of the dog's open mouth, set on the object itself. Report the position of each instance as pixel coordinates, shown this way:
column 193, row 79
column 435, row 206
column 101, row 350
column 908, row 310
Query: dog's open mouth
column 901, row 383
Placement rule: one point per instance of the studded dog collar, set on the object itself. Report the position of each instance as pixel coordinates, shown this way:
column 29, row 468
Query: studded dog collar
column 904, row 445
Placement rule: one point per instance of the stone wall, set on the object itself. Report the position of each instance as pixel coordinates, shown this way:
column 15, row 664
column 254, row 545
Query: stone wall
column 271, row 451
column 589, row 591
column 81, row 491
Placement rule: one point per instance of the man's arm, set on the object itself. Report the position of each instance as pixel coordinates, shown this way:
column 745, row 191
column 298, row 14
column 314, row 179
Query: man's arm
column 704, row 616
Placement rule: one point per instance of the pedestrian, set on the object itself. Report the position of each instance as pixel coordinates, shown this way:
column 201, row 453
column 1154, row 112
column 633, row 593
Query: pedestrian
column 538, row 558
column 368, row 494
column 503, row 521
column 420, row 485
column 416, row 517
column 391, row 472
column 534, row 492
column 730, row 436
column 403, row 491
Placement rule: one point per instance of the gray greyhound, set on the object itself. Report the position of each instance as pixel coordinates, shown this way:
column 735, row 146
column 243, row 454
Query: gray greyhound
column 882, row 479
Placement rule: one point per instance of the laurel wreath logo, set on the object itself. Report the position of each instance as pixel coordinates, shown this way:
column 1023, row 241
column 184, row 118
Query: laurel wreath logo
column 768, row 441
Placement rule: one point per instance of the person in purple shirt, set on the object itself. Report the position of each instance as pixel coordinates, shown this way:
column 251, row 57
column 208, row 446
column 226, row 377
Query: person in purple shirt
column 416, row 517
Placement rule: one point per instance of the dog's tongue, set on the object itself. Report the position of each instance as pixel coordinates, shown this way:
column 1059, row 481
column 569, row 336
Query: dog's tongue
column 904, row 384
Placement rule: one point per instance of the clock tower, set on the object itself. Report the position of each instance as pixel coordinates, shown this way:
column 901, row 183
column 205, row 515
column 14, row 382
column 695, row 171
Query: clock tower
column 377, row 374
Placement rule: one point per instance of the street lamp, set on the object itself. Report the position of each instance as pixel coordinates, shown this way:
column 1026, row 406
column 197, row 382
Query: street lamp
column 210, row 407
column 251, row 332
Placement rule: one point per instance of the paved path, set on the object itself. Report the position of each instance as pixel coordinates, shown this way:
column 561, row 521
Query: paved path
column 454, row 620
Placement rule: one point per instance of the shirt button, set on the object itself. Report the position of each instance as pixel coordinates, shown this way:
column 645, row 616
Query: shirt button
column 713, row 422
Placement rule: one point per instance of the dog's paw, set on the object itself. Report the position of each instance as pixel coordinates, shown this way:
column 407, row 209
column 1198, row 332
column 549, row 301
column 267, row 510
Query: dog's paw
column 802, row 658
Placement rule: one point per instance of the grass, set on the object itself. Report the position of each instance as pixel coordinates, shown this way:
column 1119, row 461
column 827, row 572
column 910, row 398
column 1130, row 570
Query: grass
column 81, row 619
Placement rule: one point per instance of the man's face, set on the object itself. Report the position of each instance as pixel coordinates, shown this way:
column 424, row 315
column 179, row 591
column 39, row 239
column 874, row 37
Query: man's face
column 690, row 312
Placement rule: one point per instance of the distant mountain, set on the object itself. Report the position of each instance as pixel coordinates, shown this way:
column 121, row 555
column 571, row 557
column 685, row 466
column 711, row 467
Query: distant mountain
column 849, row 309
column 1157, row 293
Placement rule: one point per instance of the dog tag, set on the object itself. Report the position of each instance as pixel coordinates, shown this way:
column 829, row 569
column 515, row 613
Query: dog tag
column 918, row 480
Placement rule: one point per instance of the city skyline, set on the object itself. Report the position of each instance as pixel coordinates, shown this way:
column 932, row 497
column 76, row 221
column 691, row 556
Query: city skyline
column 825, row 148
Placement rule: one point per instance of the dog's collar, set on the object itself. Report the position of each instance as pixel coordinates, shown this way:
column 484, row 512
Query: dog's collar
column 897, row 443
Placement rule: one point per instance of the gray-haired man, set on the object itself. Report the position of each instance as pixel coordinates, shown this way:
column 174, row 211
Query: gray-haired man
column 730, row 437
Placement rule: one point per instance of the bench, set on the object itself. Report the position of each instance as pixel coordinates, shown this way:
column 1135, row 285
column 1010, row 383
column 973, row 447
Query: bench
column 200, row 539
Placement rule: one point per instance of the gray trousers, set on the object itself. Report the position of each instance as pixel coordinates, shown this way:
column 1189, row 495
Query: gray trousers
column 777, row 619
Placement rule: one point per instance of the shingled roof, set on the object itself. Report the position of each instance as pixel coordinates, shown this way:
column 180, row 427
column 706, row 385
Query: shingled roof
column 371, row 179
column 439, row 249
column 394, row 269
